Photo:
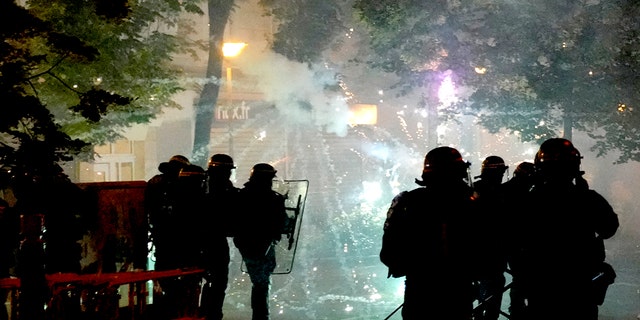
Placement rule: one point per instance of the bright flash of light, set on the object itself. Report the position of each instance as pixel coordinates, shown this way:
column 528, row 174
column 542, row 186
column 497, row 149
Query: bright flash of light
column 375, row 296
column 480, row 70
column 441, row 130
column 232, row 49
column 371, row 191
column 348, row 308
column 262, row 135
column 446, row 92
column 622, row 107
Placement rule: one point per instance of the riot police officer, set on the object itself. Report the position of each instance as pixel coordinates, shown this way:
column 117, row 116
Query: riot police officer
column 220, row 201
column 262, row 211
column 562, row 244
column 491, row 217
column 428, row 239
column 174, row 201
column 516, row 190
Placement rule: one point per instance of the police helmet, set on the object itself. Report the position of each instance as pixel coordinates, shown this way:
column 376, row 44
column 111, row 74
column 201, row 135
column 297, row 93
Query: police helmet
column 191, row 171
column 494, row 165
column 221, row 160
column 558, row 157
column 174, row 165
column 262, row 171
column 524, row 169
column 179, row 159
column 445, row 160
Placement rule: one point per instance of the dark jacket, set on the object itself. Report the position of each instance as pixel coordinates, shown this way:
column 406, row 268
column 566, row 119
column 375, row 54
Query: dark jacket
column 262, row 218
column 562, row 247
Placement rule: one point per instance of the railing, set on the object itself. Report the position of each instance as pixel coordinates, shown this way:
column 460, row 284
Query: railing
column 96, row 292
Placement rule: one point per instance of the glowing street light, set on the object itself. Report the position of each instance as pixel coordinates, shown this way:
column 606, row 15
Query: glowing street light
column 230, row 50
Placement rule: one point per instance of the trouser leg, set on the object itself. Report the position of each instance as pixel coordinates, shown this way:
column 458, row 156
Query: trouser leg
column 260, row 273
column 260, row 302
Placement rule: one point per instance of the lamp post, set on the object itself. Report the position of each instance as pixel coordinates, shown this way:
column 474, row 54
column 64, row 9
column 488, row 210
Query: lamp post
column 230, row 50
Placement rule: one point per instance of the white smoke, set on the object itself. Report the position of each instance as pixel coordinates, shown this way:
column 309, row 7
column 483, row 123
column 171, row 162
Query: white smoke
column 298, row 91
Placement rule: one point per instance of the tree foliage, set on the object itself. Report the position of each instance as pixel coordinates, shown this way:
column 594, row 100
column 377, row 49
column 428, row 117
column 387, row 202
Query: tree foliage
column 537, row 69
column 306, row 28
column 75, row 74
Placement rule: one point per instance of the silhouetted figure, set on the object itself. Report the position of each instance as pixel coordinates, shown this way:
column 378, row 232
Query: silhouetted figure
column 174, row 201
column 51, row 209
column 263, row 217
column 564, row 275
column 221, row 198
column 516, row 189
column 428, row 239
column 9, row 231
column 491, row 216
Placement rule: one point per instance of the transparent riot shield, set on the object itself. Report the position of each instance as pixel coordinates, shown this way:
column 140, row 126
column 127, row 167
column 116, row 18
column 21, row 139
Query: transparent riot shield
column 295, row 192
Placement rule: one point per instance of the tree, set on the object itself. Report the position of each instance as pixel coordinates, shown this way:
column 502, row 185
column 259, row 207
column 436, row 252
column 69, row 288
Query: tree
column 538, row 69
column 219, row 12
column 76, row 74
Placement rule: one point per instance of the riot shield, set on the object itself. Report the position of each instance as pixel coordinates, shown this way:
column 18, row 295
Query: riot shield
column 295, row 192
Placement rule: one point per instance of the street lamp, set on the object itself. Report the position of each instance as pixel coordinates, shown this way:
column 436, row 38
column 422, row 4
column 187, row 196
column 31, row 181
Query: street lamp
column 230, row 50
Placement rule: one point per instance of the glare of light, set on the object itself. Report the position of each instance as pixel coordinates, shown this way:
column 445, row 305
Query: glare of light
column 590, row 72
column 375, row 296
column 97, row 81
column 348, row 308
column 371, row 191
column 262, row 135
column 446, row 92
column 380, row 92
column 481, row 70
column 441, row 130
column 363, row 114
column 75, row 86
column 622, row 107
column 232, row 49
